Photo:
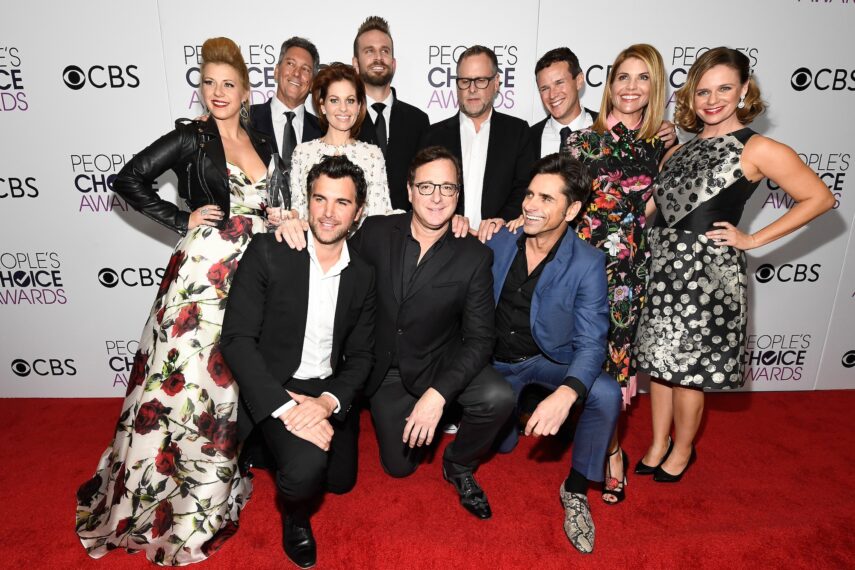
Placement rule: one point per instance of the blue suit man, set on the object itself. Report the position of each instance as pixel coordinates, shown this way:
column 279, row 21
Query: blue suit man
column 551, row 300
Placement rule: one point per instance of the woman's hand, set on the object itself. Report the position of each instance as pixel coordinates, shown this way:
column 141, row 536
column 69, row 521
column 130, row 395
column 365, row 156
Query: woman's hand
column 514, row 225
column 728, row 234
column 207, row 215
column 292, row 231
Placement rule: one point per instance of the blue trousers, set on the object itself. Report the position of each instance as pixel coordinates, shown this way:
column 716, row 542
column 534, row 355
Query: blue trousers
column 596, row 422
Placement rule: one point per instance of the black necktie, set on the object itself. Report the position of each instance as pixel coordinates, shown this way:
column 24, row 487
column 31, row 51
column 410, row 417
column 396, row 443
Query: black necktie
column 565, row 133
column 380, row 126
column 289, row 138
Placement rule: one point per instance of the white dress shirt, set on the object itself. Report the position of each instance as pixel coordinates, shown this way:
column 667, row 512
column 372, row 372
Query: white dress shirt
column 277, row 113
column 550, row 140
column 320, row 318
column 387, row 112
column 473, row 147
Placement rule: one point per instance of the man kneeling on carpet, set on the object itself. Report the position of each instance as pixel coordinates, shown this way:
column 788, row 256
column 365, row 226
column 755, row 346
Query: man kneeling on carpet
column 551, row 322
column 298, row 337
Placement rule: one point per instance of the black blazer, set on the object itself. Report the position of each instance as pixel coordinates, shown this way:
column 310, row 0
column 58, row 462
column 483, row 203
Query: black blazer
column 265, row 324
column 194, row 152
column 407, row 126
column 537, row 131
column 262, row 120
column 443, row 329
column 510, row 157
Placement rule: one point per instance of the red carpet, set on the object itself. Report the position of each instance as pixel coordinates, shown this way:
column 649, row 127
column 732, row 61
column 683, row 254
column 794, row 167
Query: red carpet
column 772, row 488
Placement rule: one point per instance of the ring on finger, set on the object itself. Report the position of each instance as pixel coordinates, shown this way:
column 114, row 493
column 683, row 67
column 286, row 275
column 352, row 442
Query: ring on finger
column 204, row 211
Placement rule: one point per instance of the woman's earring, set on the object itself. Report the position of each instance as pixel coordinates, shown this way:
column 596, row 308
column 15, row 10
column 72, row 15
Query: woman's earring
column 741, row 104
column 244, row 111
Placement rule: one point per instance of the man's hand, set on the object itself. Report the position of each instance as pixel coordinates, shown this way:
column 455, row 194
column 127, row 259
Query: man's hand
column 551, row 412
column 308, row 412
column 460, row 226
column 320, row 434
column 488, row 227
column 514, row 225
column 293, row 232
column 668, row 133
column 422, row 421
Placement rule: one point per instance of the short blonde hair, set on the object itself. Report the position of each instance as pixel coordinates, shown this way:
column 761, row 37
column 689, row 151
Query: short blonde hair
column 685, row 116
column 655, row 111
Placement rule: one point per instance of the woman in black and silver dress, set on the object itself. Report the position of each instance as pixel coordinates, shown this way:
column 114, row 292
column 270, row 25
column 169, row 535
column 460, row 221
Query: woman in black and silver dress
column 691, row 332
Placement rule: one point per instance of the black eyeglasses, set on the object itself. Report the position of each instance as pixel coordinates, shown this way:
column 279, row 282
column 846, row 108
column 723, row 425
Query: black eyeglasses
column 480, row 82
column 428, row 188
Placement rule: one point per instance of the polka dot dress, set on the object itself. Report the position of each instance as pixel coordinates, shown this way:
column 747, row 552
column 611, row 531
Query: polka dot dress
column 692, row 330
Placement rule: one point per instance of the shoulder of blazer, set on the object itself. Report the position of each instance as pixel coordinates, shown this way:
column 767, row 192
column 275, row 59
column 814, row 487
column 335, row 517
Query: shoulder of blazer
column 311, row 119
column 582, row 250
column 410, row 112
column 470, row 246
column 503, row 239
column 506, row 122
column 594, row 114
column 537, row 128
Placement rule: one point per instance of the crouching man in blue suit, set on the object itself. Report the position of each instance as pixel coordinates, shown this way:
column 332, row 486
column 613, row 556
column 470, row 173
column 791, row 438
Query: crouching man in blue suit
column 551, row 321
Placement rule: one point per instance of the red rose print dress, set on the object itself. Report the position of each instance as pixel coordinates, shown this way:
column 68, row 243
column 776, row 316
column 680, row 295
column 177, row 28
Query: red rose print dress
column 169, row 484
column 623, row 170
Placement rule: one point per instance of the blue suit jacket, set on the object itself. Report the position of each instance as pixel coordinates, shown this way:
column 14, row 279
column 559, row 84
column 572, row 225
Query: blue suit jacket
column 570, row 309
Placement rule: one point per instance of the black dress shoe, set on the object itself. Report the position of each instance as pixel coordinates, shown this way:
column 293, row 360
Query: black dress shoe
column 642, row 468
column 299, row 543
column 662, row 476
column 472, row 497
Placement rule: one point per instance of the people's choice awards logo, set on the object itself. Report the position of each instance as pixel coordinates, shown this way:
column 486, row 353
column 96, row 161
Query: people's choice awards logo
column 260, row 61
column 442, row 75
column 101, row 77
column 44, row 367
column 831, row 167
column 31, row 278
column 93, row 176
column 776, row 357
column 13, row 96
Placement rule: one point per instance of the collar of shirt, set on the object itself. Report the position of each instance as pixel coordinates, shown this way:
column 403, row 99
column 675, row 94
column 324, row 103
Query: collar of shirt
column 278, row 109
column 387, row 101
column 408, row 232
column 552, row 252
column 469, row 124
column 583, row 121
column 335, row 270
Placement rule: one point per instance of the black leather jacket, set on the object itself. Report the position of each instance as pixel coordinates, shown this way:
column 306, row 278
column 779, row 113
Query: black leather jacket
column 194, row 151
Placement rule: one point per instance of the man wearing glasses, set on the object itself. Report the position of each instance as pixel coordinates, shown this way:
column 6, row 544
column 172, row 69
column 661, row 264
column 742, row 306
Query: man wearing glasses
column 434, row 331
column 493, row 148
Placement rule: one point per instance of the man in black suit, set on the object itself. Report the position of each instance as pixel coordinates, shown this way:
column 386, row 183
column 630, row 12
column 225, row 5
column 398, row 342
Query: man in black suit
column 298, row 336
column 435, row 331
column 396, row 127
column 493, row 148
column 285, row 116
column 559, row 82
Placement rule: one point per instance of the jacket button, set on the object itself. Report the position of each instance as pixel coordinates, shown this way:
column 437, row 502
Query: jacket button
column 400, row 331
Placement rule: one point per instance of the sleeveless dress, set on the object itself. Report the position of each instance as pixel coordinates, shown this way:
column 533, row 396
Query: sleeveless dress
column 692, row 329
column 169, row 484
column 623, row 170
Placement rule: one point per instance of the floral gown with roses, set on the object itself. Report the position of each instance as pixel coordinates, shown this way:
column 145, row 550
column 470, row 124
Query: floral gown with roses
column 622, row 169
column 169, row 484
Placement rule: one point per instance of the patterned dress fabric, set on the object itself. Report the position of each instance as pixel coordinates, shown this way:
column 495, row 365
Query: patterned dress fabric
column 366, row 156
column 623, row 170
column 168, row 484
column 692, row 330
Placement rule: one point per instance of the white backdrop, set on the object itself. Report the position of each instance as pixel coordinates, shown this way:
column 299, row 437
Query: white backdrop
column 78, row 271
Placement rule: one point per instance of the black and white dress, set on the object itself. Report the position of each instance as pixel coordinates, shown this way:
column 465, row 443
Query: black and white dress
column 692, row 330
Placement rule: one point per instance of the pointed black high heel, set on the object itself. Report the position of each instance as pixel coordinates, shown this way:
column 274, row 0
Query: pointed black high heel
column 641, row 468
column 618, row 492
column 662, row 476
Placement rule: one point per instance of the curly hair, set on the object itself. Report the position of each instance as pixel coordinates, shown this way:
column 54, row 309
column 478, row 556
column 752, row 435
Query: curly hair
column 333, row 73
column 685, row 116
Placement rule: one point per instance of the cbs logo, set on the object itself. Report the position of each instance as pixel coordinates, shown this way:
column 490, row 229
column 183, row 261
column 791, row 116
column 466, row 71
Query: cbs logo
column 100, row 77
column 44, row 367
column 130, row 276
column 824, row 79
column 788, row 273
column 848, row 360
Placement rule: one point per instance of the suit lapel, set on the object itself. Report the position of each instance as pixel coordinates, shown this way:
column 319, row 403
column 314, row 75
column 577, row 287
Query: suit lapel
column 440, row 259
column 559, row 264
column 495, row 155
column 503, row 257
column 345, row 294
column 301, row 295
column 396, row 261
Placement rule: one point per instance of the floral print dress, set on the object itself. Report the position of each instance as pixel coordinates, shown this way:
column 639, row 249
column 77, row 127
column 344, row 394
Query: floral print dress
column 622, row 169
column 169, row 484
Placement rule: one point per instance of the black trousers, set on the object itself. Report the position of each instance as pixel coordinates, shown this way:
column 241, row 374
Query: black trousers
column 487, row 403
column 304, row 470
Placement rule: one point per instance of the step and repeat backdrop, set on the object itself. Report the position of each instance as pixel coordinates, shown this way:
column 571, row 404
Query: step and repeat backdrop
column 85, row 85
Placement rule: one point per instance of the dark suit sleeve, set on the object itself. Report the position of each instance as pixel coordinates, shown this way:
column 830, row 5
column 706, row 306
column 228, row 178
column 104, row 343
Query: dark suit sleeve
column 591, row 309
column 134, row 181
column 358, row 353
column 524, row 160
column 242, row 324
column 478, row 331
